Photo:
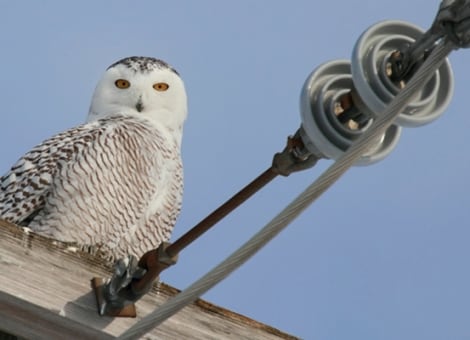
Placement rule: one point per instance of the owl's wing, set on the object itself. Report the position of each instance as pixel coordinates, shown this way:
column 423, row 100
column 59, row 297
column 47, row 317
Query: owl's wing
column 110, row 187
column 24, row 187
column 112, row 182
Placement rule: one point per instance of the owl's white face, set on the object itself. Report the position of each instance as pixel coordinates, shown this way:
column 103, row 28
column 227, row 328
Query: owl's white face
column 144, row 87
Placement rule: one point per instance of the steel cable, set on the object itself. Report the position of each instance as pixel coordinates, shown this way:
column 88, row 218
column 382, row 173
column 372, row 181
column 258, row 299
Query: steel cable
column 299, row 204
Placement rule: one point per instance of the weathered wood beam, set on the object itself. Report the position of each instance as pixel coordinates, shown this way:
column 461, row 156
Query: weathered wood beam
column 17, row 314
column 45, row 293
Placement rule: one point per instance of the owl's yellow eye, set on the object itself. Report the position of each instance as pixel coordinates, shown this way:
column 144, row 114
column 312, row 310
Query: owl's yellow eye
column 122, row 83
column 161, row 86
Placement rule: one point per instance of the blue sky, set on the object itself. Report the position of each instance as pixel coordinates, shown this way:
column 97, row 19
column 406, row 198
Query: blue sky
column 382, row 255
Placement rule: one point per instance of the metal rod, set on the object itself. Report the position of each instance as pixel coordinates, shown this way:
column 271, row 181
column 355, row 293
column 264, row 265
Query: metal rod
column 221, row 212
column 116, row 302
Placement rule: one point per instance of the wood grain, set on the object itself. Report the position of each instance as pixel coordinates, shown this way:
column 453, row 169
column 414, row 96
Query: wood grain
column 45, row 293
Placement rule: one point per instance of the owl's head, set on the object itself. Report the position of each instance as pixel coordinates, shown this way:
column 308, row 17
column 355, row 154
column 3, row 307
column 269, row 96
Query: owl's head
column 141, row 86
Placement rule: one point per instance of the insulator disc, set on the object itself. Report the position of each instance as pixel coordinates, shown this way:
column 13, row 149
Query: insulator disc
column 370, row 65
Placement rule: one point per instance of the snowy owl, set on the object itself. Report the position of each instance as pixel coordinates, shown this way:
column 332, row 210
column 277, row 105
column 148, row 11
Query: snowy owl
column 114, row 183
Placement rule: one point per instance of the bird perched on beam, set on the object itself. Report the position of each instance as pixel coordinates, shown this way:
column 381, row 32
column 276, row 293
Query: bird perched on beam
column 115, row 182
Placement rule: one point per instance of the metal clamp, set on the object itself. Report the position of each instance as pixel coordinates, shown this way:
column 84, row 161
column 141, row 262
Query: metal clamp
column 453, row 21
column 295, row 157
column 131, row 280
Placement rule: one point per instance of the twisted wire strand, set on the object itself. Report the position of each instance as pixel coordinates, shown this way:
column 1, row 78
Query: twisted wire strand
column 299, row 204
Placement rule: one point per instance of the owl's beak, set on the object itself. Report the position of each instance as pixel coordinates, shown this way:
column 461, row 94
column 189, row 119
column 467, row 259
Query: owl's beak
column 139, row 106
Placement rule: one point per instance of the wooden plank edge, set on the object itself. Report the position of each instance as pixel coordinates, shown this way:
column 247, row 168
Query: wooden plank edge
column 158, row 288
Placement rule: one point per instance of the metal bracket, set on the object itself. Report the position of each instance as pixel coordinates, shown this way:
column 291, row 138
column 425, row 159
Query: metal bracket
column 131, row 280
